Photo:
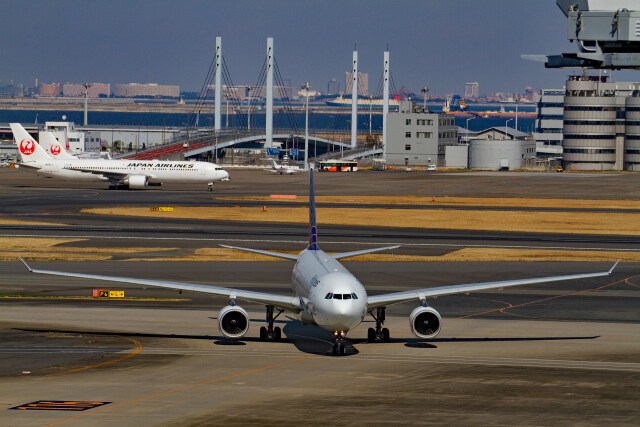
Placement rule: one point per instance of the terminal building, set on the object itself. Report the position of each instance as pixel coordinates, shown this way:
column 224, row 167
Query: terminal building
column 592, row 124
column 549, row 122
column 601, row 124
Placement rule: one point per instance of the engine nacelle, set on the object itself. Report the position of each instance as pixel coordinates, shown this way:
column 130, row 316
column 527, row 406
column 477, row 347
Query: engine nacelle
column 233, row 321
column 425, row 322
column 136, row 182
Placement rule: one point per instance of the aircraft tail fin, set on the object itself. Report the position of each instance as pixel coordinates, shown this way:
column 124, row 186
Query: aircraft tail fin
column 51, row 145
column 29, row 150
column 273, row 164
column 313, row 233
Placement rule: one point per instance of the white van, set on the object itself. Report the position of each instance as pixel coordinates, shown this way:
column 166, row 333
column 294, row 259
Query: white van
column 431, row 168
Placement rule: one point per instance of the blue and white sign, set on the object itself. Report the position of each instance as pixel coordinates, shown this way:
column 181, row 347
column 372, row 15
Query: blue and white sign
column 273, row 151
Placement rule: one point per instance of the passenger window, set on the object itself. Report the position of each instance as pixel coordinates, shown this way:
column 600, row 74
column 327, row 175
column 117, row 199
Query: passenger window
column 329, row 295
column 337, row 296
column 346, row 296
column 354, row 296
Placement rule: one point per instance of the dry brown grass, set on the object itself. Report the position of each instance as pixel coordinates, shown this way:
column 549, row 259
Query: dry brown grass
column 467, row 254
column 52, row 256
column 48, row 249
column 458, row 201
column 531, row 221
column 215, row 254
column 11, row 221
column 498, row 254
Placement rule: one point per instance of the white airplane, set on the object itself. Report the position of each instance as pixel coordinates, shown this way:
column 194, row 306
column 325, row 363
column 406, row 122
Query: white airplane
column 132, row 174
column 53, row 147
column 286, row 169
column 326, row 294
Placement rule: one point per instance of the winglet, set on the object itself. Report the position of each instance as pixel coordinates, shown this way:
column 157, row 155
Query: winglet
column 614, row 266
column 26, row 265
column 313, row 232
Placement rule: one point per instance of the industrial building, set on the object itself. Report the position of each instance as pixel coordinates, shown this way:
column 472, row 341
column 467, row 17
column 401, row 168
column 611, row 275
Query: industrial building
column 333, row 87
column 416, row 136
column 501, row 154
column 49, row 89
column 472, row 90
column 151, row 90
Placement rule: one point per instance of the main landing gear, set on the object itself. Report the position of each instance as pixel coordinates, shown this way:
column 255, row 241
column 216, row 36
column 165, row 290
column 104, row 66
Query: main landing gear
column 379, row 334
column 338, row 347
column 270, row 333
column 210, row 186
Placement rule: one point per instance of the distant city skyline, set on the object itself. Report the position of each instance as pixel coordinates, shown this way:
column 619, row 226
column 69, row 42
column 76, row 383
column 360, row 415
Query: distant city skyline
column 439, row 44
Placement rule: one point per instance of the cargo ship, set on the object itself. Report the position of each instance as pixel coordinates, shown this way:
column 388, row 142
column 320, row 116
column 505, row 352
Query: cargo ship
column 456, row 107
column 362, row 102
column 503, row 113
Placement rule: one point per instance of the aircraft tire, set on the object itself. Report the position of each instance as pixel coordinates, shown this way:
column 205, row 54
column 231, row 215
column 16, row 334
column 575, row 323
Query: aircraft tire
column 277, row 333
column 263, row 333
column 371, row 335
column 385, row 335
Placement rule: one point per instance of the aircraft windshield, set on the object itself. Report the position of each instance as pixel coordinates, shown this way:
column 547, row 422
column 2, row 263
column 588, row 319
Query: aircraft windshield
column 341, row 296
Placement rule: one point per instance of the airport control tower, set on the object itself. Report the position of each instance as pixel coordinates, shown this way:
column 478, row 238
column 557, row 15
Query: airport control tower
column 607, row 33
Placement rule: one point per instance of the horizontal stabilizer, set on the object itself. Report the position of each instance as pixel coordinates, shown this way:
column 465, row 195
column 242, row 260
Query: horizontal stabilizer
column 268, row 253
column 365, row 251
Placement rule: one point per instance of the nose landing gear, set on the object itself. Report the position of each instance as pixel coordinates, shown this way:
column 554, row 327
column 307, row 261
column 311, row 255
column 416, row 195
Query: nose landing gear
column 211, row 186
column 269, row 333
column 379, row 334
column 338, row 347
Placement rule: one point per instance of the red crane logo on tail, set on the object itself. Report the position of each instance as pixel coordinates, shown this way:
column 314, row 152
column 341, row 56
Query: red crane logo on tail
column 27, row 146
column 55, row 149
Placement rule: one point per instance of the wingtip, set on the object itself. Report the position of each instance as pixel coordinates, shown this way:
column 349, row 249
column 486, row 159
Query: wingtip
column 614, row 266
column 26, row 265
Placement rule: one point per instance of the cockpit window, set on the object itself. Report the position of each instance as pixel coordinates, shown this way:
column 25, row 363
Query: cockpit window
column 354, row 296
column 337, row 296
column 346, row 296
column 328, row 296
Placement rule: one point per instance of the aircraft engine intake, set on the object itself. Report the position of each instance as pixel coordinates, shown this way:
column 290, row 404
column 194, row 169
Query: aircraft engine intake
column 135, row 182
column 233, row 321
column 425, row 322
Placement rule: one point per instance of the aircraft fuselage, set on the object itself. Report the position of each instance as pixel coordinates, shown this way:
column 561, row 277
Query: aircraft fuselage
column 335, row 299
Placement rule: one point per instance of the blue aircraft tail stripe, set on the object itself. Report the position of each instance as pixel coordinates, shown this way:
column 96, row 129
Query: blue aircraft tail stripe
column 313, row 234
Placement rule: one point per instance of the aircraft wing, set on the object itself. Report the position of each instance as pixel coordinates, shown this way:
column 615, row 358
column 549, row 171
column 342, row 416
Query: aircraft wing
column 112, row 176
column 290, row 303
column 420, row 294
column 362, row 252
column 268, row 253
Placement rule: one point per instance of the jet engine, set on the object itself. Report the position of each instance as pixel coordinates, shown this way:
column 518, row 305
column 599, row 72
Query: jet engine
column 136, row 182
column 425, row 322
column 233, row 321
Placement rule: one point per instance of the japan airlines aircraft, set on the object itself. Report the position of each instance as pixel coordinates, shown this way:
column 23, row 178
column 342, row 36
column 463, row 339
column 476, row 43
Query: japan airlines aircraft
column 132, row 174
column 53, row 147
column 326, row 294
column 286, row 169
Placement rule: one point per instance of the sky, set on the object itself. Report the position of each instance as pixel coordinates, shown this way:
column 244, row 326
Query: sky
column 440, row 44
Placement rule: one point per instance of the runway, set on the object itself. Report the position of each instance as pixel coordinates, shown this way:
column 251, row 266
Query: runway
column 551, row 354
